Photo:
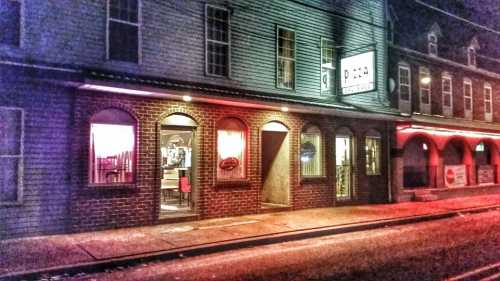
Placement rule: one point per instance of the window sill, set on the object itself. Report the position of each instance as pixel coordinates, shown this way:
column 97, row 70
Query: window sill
column 318, row 179
column 232, row 183
column 112, row 185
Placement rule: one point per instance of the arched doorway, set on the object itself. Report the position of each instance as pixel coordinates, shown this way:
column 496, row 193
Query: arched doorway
column 416, row 163
column 484, row 162
column 454, row 160
column 177, row 166
column 344, row 172
column 275, row 165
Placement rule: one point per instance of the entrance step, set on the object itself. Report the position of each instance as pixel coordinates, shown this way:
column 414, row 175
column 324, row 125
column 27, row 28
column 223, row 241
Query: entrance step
column 271, row 208
column 426, row 197
column 174, row 218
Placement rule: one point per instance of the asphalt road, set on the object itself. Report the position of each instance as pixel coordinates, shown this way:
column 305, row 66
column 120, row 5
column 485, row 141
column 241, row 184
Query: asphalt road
column 464, row 248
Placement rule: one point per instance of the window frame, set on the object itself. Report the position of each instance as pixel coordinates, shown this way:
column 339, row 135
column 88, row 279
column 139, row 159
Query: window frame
column 20, row 156
column 228, row 44
column 471, row 56
column 246, row 133
column 21, row 26
column 135, row 153
column 488, row 117
column 139, row 32
column 423, row 71
column 333, row 88
column 468, row 114
column 447, row 110
column 406, row 103
column 379, row 158
column 278, row 27
column 431, row 44
column 322, row 161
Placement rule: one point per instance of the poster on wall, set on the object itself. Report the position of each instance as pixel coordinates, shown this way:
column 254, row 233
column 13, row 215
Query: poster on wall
column 455, row 175
column 357, row 73
column 485, row 174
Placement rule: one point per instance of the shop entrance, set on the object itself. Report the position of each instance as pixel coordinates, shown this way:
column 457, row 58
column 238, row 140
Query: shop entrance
column 177, row 136
column 344, row 165
column 275, row 166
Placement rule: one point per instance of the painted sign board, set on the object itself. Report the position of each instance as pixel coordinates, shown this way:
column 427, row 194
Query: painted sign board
column 455, row 175
column 357, row 73
column 485, row 174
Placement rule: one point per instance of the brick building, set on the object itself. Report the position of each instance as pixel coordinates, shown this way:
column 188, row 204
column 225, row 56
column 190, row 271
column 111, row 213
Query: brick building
column 445, row 77
column 134, row 112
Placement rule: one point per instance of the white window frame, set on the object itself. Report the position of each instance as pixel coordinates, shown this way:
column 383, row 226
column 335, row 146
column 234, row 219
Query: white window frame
column 139, row 30
column 228, row 43
column 20, row 156
column 21, row 25
column 425, row 108
column 487, row 88
column 332, row 67
column 471, row 60
column 294, row 59
column 404, row 105
column 468, row 113
column 431, row 44
column 447, row 110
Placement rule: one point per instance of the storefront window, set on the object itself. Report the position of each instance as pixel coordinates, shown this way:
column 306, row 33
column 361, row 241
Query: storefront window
column 112, row 146
column 310, row 152
column 231, row 149
column 373, row 151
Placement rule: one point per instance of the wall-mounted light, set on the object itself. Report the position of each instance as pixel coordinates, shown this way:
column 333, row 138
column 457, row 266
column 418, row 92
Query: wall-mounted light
column 187, row 98
column 424, row 146
column 425, row 80
column 284, row 109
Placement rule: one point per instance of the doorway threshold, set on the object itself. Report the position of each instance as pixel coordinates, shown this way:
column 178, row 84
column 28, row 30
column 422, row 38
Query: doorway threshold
column 271, row 207
column 173, row 217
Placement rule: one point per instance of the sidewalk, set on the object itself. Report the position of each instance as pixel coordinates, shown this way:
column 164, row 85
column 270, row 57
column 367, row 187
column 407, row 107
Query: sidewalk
column 83, row 251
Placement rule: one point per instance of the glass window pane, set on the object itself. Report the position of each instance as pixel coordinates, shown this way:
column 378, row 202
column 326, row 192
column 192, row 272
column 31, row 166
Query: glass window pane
column 123, row 42
column 310, row 153
column 373, row 147
column 112, row 153
column 8, row 179
column 10, row 131
column 10, row 22
column 231, row 148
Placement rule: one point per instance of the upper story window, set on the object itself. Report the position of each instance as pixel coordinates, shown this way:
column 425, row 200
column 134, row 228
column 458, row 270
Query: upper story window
column 432, row 42
column 123, row 30
column 217, row 36
column 11, row 155
column 112, row 147
column 471, row 56
column 447, row 94
column 425, row 90
column 373, row 149
column 404, row 87
column 327, row 65
column 488, row 105
column 311, row 155
column 285, row 59
column 468, row 98
column 231, row 149
column 10, row 22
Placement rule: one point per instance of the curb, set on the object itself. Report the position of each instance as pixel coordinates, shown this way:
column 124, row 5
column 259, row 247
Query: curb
column 208, row 248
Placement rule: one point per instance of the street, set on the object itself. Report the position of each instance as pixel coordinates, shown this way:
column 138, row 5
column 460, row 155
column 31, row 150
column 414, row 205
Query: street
column 462, row 248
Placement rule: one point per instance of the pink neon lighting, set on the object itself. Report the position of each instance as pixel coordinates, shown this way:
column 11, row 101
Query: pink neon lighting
column 445, row 132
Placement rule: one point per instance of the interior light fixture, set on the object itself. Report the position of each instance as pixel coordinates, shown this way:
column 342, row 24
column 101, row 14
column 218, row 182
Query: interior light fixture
column 187, row 98
column 426, row 80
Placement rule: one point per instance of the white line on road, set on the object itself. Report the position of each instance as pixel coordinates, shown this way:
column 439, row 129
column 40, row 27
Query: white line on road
column 474, row 272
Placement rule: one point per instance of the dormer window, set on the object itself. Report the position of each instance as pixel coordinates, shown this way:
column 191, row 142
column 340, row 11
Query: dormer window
column 471, row 56
column 432, row 44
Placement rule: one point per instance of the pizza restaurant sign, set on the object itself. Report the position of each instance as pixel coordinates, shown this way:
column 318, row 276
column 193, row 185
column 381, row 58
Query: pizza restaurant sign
column 357, row 73
column 455, row 175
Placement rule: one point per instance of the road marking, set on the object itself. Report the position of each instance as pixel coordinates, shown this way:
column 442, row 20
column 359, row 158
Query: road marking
column 475, row 272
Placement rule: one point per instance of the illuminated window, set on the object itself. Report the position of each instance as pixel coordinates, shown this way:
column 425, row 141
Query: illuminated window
column 327, row 65
column 425, row 90
column 10, row 22
column 373, row 147
column 432, row 44
column 286, row 59
column 217, row 41
column 467, row 98
column 311, row 152
column 488, row 110
column 446, row 91
column 11, row 155
column 231, row 149
column 112, row 147
column 123, row 30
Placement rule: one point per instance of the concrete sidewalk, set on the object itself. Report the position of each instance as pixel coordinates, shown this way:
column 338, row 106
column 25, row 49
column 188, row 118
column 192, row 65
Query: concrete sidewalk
column 29, row 257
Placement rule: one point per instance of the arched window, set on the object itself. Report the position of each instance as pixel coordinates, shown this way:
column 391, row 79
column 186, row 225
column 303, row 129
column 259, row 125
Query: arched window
column 231, row 149
column 311, row 154
column 373, row 148
column 112, row 147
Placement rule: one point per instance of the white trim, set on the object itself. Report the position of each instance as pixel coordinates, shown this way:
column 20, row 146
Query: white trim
column 431, row 43
column 404, row 105
column 228, row 43
column 469, row 57
column 332, row 88
column 20, row 156
column 139, row 31
column 447, row 110
column 39, row 66
column 425, row 108
column 468, row 114
column 488, row 117
column 278, row 27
